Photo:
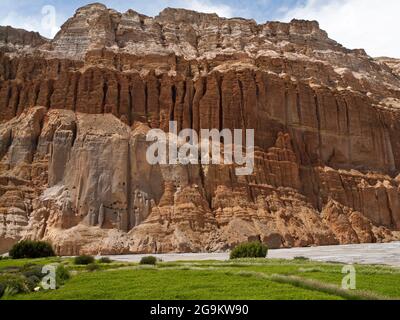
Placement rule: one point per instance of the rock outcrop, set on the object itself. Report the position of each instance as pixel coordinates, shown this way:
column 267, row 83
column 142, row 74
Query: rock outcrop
column 75, row 111
column 18, row 41
column 392, row 63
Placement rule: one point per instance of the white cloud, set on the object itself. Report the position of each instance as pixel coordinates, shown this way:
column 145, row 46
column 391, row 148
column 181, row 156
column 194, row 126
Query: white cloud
column 17, row 21
column 370, row 24
column 39, row 23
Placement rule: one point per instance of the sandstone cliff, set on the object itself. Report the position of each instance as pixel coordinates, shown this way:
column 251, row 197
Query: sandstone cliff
column 392, row 63
column 75, row 110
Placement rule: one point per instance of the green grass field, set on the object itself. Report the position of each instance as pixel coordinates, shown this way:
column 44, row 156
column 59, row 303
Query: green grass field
column 257, row 279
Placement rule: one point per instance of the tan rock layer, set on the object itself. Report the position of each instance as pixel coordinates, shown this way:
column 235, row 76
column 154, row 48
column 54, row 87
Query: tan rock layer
column 12, row 36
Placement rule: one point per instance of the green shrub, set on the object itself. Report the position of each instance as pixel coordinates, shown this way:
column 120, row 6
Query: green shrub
column 92, row 267
column 150, row 260
column 31, row 249
column 249, row 250
column 301, row 258
column 62, row 275
column 2, row 288
column 12, row 284
column 84, row 260
column 105, row 260
column 10, row 291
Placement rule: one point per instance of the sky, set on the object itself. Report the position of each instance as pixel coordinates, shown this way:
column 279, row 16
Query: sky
column 370, row 24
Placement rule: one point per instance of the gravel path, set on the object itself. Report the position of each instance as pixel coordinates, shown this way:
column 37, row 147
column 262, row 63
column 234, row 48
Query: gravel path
column 387, row 253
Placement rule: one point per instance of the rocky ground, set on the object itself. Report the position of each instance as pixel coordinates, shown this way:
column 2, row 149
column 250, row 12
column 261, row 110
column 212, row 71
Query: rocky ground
column 370, row 254
column 74, row 112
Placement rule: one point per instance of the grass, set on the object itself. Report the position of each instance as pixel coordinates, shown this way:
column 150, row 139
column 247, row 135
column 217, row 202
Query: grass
column 328, row 288
column 21, row 262
column 154, row 284
column 248, row 279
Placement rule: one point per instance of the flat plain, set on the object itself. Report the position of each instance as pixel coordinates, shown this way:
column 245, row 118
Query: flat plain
column 248, row 279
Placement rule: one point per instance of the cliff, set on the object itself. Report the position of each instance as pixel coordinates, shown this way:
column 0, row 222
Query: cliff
column 74, row 112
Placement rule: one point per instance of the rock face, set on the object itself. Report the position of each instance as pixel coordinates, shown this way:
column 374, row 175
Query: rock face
column 394, row 64
column 19, row 41
column 75, row 111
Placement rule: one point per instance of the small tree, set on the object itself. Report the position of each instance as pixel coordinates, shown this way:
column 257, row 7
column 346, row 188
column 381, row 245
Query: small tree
column 149, row 260
column 249, row 250
column 104, row 260
column 84, row 260
column 31, row 249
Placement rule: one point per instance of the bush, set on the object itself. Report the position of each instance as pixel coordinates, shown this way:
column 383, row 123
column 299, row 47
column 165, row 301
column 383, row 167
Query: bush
column 31, row 249
column 105, row 260
column 249, row 250
column 62, row 275
column 301, row 259
column 2, row 288
column 11, row 284
column 150, row 260
column 84, row 260
column 10, row 291
column 92, row 267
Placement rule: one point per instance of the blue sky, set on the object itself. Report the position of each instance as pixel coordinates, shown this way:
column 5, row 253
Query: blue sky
column 369, row 24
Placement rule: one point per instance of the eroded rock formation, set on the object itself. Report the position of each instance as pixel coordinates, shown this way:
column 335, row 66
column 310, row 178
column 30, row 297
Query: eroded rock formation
column 75, row 110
